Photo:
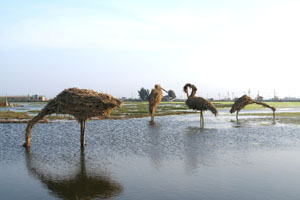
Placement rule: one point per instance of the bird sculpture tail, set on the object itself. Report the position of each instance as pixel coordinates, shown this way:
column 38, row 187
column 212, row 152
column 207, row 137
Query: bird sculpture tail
column 211, row 107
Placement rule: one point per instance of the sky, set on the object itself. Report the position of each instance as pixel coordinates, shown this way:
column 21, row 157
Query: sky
column 222, row 46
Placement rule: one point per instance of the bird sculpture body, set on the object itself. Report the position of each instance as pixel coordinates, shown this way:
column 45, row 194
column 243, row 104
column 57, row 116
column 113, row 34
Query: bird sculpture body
column 80, row 103
column 154, row 99
column 198, row 103
column 245, row 100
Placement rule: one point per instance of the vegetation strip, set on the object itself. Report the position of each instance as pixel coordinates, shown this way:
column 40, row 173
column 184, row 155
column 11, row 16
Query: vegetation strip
column 140, row 109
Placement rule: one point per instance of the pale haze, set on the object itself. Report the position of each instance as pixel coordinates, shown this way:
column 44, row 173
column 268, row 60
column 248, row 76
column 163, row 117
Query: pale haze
column 119, row 46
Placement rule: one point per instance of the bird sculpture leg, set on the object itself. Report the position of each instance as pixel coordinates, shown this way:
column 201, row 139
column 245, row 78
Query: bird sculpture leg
column 152, row 118
column 273, row 115
column 107, row 113
column 201, row 120
column 82, row 131
column 237, row 115
column 152, row 114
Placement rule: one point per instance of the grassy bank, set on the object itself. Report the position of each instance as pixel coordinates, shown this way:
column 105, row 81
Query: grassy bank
column 140, row 109
column 281, row 114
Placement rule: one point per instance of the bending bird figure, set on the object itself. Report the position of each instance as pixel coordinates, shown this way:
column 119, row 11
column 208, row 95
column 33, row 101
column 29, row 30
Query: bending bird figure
column 83, row 104
column 154, row 99
column 245, row 100
column 198, row 103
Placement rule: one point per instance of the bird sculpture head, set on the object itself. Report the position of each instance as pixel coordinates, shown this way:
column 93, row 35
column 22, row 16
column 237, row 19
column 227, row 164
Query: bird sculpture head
column 158, row 87
column 193, row 87
column 111, row 102
column 117, row 102
column 233, row 109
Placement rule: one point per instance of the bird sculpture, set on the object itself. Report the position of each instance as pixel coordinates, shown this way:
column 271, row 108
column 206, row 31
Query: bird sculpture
column 154, row 99
column 80, row 103
column 245, row 100
column 198, row 103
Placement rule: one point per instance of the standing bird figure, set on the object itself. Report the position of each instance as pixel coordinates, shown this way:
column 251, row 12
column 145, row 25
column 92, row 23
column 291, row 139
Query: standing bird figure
column 198, row 103
column 243, row 101
column 80, row 103
column 154, row 99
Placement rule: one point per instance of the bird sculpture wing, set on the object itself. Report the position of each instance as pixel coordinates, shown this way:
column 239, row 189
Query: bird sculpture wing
column 154, row 97
column 240, row 103
column 199, row 103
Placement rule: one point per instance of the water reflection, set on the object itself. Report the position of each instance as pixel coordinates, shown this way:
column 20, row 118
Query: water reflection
column 198, row 149
column 67, row 184
column 155, row 146
column 253, row 121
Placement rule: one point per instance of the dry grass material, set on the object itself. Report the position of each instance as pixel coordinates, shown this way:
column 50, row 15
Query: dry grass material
column 80, row 103
column 198, row 103
column 245, row 100
column 154, row 99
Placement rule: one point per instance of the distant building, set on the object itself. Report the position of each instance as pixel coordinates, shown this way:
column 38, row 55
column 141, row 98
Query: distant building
column 25, row 98
column 276, row 98
column 259, row 98
column 5, row 103
column 42, row 98
column 291, row 99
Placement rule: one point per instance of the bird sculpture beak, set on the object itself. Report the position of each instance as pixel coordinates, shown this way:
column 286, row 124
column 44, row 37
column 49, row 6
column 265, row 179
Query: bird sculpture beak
column 164, row 90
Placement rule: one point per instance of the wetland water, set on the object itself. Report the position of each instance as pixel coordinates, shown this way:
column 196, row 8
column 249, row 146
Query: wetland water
column 174, row 159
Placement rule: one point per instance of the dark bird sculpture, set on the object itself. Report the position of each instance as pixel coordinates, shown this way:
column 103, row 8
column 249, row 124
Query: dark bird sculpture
column 198, row 103
column 80, row 103
column 154, row 99
column 245, row 100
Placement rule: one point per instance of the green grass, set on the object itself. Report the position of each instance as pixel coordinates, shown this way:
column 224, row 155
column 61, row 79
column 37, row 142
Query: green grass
column 34, row 111
column 141, row 109
column 223, row 104
column 14, row 115
column 281, row 114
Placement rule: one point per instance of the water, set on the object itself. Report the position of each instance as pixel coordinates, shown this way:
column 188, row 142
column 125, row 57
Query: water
column 24, row 106
column 174, row 159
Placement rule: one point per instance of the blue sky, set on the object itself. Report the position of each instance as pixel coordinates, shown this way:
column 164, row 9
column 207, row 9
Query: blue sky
column 118, row 47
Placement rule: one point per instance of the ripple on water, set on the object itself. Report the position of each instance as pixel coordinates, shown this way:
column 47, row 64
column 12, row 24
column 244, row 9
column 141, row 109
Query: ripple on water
column 118, row 154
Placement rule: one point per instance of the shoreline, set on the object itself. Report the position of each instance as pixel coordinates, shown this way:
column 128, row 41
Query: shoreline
column 140, row 110
column 52, row 119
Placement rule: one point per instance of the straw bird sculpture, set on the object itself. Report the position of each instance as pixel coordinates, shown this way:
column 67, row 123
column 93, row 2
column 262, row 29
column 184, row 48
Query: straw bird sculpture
column 243, row 101
column 198, row 103
column 80, row 103
column 154, row 99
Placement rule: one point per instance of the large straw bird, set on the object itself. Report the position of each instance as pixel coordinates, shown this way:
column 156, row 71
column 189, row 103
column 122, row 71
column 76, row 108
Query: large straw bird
column 198, row 103
column 154, row 99
column 81, row 103
column 245, row 100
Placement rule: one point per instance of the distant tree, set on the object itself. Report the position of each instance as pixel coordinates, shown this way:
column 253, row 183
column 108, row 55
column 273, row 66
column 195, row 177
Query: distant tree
column 144, row 94
column 171, row 94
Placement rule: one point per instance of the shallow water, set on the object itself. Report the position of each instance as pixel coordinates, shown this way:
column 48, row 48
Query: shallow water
column 25, row 107
column 174, row 159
